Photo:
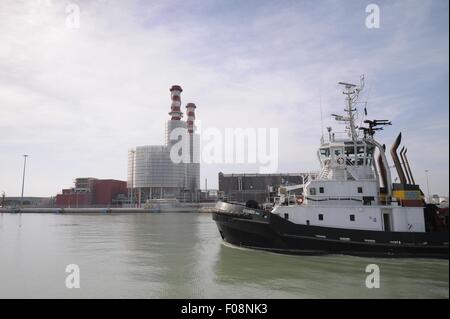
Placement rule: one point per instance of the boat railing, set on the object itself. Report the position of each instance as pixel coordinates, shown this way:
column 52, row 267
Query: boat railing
column 319, row 200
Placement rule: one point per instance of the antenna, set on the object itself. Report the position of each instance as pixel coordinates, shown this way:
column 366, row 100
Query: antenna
column 338, row 117
column 352, row 93
column 366, row 102
column 329, row 132
column 347, row 85
column 321, row 113
column 374, row 125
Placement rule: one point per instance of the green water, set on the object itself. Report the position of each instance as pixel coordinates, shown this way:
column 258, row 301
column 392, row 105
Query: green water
column 181, row 255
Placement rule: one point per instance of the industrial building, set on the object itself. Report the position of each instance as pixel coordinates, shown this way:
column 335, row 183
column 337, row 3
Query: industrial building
column 152, row 174
column 93, row 192
column 28, row 201
column 258, row 187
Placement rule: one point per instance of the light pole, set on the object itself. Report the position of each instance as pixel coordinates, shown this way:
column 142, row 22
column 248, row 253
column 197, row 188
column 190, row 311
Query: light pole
column 23, row 177
column 428, row 185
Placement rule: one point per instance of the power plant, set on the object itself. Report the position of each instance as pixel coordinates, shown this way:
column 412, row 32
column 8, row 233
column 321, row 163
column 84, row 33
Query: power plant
column 172, row 170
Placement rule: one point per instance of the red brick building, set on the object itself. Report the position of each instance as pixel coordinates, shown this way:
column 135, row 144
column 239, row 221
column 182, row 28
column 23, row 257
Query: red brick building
column 72, row 199
column 93, row 192
column 106, row 190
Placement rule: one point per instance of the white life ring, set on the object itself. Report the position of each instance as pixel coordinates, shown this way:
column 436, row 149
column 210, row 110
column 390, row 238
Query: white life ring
column 299, row 199
column 340, row 161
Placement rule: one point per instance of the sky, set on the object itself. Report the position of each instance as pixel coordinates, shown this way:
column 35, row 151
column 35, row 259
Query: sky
column 76, row 99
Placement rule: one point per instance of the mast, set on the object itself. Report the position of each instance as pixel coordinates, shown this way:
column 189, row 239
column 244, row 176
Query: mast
column 352, row 93
column 349, row 91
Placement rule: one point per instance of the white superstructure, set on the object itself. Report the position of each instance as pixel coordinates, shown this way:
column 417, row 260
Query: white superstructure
column 351, row 190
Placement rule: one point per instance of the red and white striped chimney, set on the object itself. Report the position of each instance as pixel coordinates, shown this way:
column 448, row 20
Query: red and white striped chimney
column 190, row 111
column 175, row 111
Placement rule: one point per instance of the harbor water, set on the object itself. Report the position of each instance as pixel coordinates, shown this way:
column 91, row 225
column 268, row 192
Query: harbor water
column 181, row 255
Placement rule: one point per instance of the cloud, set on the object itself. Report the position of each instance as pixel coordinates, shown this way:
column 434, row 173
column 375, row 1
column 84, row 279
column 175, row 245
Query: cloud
column 78, row 99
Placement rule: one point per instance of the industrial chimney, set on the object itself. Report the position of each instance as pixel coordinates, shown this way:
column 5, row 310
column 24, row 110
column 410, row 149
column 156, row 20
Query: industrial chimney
column 190, row 111
column 175, row 111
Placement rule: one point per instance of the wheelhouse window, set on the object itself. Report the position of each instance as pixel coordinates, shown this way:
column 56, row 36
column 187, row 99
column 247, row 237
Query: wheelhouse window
column 286, row 216
column 360, row 154
column 370, row 149
column 360, row 150
column 349, row 150
column 360, row 190
column 325, row 152
column 350, row 153
column 312, row 191
column 321, row 190
column 320, row 216
column 337, row 152
column 352, row 218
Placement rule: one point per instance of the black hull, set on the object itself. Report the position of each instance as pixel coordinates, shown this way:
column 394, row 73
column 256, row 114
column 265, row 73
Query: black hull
column 257, row 229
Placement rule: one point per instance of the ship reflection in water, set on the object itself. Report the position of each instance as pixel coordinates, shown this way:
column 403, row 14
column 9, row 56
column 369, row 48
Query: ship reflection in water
column 178, row 255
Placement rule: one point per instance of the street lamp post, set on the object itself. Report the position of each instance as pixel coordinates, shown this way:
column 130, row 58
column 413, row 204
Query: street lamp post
column 428, row 185
column 23, row 177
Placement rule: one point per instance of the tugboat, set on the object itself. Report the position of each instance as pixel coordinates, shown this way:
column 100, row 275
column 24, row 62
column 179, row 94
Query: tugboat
column 351, row 207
